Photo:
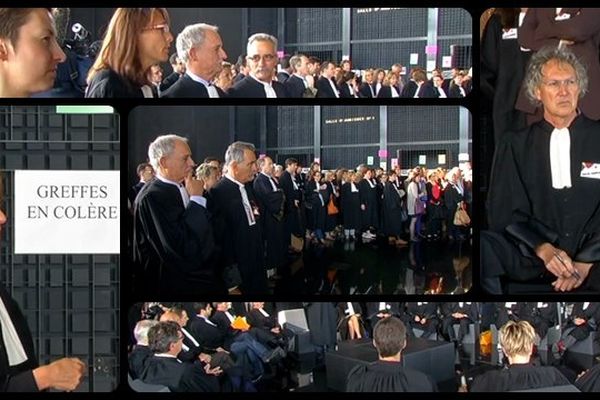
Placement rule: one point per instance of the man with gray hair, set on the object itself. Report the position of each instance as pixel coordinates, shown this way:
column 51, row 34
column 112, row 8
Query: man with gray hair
column 237, row 221
column 200, row 47
column 543, row 211
column 262, row 61
column 141, row 352
column 173, row 240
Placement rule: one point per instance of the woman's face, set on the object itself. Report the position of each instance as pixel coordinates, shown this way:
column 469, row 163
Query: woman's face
column 380, row 76
column 154, row 41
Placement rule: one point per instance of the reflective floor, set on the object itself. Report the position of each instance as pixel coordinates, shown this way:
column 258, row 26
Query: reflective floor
column 376, row 267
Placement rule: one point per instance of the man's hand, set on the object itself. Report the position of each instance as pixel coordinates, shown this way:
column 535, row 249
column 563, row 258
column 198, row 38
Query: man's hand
column 557, row 261
column 572, row 282
column 64, row 374
column 194, row 187
column 214, row 371
column 579, row 321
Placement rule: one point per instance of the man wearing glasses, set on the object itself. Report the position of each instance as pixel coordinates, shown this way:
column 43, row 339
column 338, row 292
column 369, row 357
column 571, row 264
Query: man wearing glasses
column 262, row 60
column 544, row 199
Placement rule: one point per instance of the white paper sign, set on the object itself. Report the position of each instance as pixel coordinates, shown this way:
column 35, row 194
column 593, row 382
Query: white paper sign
column 394, row 162
column 67, row 212
column 383, row 165
column 422, row 159
column 414, row 58
column 370, row 160
column 431, row 65
column 446, row 61
column 441, row 159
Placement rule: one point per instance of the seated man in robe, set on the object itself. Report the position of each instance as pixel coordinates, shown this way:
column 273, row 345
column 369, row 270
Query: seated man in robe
column 387, row 374
column 543, row 214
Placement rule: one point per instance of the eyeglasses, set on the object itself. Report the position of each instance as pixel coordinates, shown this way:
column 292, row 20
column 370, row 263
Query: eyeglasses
column 556, row 84
column 163, row 27
column 266, row 57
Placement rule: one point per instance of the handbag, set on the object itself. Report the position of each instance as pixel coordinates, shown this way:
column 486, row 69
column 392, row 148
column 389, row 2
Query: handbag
column 461, row 218
column 331, row 207
column 419, row 207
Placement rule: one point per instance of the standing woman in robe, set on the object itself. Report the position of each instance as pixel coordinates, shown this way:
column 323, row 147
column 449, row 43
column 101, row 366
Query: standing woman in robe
column 316, row 194
column 136, row 39
column 350, row 199
column 369, row 204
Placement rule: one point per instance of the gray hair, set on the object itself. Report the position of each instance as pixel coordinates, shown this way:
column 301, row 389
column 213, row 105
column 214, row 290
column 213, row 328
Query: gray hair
column 261, row 37
column 235, row 152
column 534, row 75
column 161, row 335
column 162, row 146
column 296, row 61
column 192, row 36
column 140, row 332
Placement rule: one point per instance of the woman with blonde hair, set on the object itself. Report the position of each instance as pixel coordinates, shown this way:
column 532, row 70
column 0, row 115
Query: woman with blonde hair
column 136, row 39
column 389, row 86
column 516, row 339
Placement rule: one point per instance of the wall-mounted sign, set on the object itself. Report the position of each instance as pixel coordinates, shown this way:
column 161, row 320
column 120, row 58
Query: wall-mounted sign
column 67, row 212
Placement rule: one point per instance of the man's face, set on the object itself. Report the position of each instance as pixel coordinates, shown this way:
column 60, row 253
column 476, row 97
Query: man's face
column 559, row 90
column 30, row 63
column 179, row 164
column 154, row 42
column 267, row 166
column 156, row 74
column 184, row 319
column 437, row 81
column 346, row 66
column 369, row 77
column 245, row 171
column 262, row 60
column 329, row 72
column 207, row 59
column 179, row 67
column 303, row 68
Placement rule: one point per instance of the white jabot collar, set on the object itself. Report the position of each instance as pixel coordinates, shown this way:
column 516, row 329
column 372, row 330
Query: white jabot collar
column 560, row 158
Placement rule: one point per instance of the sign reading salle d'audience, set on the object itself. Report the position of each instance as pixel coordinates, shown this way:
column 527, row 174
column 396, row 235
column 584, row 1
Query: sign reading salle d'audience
column 67, row 212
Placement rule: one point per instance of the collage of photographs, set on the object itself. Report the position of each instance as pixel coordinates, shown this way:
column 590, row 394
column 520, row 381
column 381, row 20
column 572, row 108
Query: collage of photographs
column 334, row 163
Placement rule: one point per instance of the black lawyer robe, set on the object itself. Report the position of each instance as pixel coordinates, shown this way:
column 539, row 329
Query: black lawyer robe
column 173, row 244
column 251, row 88
column 271, row 203
column 186, row 87
column 241, row 243
column 179, row 376
column 18, row 378
column 518, row 377
column 388, row 376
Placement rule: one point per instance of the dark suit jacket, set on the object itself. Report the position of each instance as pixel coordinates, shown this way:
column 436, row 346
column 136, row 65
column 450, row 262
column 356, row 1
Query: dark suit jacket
column 409, row 89
column 324, row 89
column 385, row 92
column 186, row 87
column 241, row 244
column 282, row 76
column 209, row 337
column 455, row 92
column 173, row 245
column 138, row 358
column 178, row 376
column 294, row 87
column 251, row 88
column 169, row 81
column 346, row 92
column 427, row 91
column 365, row 92
column 17, row 378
